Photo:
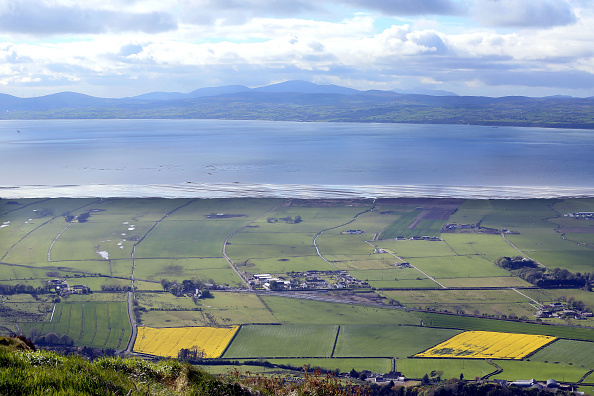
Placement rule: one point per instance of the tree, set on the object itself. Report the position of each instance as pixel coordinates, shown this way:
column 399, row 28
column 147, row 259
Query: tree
column 425, row 379
column 353, row 373
column 83, row 217
column 461, row 376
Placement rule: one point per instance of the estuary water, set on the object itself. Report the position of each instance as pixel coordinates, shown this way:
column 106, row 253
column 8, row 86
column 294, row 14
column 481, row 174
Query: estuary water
column 224, row 158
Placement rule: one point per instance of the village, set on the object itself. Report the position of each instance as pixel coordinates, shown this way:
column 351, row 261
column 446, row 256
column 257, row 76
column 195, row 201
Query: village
column 560, row 310
column 307, row 280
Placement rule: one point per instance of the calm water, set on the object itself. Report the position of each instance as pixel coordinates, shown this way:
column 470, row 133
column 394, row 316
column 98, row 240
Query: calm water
column 207, row 158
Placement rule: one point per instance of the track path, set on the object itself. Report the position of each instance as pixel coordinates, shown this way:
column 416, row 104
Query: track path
column 402, row 260
column 132, row 278
column 231, row 263
column 332, row 228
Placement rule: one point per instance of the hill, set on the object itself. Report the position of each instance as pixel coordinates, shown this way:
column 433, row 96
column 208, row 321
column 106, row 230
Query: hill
column 305, row 101
column 25, row 371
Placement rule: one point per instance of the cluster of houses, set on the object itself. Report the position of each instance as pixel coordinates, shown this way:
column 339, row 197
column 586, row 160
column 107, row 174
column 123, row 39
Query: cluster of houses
column 580, row 215
column 559, row 310
column 63, row 289
column 395, row 376
column 550, row 385
column 418, row 238
column 308, row 280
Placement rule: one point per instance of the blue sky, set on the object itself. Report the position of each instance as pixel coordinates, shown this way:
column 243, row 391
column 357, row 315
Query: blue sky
column 117, row 48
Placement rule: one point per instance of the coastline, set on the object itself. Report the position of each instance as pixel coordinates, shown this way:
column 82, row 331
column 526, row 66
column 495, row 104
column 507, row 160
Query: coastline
column 297, row 191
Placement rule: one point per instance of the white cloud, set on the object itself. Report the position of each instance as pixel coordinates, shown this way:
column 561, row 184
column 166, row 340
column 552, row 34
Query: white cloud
column 143, row 48
column 44, row 18
column 524, row 13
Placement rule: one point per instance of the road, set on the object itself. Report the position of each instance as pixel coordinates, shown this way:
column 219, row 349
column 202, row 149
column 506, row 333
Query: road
column 402, row 260
column 231, row 263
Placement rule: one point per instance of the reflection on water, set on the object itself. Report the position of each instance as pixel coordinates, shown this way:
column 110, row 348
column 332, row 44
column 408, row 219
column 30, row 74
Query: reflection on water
column 301, row 191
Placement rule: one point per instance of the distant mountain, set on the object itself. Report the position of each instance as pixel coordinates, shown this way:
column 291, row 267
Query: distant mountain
column 305, row 101
column 422, row 91
column 55, row 101
column 305, row 87
column 294, row 86
column 200, row 92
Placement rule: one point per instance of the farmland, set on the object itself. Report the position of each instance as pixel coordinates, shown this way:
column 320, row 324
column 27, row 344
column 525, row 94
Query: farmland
column 210, row 341
column 401, row 297
column 488, row 344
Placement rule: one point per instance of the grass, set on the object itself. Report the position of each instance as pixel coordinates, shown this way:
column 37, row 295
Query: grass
column 573, row 260
column 470, row 323
column 471, row 211
column 410, row 249
column 540, row 371
column 24, row 372
column 299, row 311
column 489, row 281
column 452, row 368
column 489, row 246
column 578, row 353
column 492, row 302
column 458, row 267
column 387, row 341
column 93, row 324
column 282, row 341
column 342, row 364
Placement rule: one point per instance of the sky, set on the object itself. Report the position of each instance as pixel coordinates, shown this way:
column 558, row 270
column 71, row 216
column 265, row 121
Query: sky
column 119, row 48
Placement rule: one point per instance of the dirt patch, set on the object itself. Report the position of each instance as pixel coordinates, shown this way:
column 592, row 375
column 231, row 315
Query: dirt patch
column 576, row 230
column 438, row 214
column 223, row 215
column 412, row 225
column 426, row 203
column 328, row 203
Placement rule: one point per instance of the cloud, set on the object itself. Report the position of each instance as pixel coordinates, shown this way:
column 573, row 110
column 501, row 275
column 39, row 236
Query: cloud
column 410, row 7
column 236, row 12
column 524, row 13
column 39, row 18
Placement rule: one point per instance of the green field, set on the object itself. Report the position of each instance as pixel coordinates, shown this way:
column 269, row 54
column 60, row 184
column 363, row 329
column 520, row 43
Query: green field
column 264, row 341
column 470, row 323
column 539, row 371
column 180, row 239
column 93, row 324
column 298, row 311
column 477, row 302
column 387, row 341
column 452, row 368
column 578, row 353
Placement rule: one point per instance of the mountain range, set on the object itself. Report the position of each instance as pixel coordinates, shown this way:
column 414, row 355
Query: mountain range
column 305, row 101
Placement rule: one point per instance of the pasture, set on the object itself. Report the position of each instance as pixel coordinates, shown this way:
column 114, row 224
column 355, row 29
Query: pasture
column 374, row 365
column 387, row 341
column 269, row 341
column 540, row 371
column 471, row 323
column 452, row 368
column 478, row 302
column 577, row 353
column 183, row 239
column 299, row 311
column 93, row 324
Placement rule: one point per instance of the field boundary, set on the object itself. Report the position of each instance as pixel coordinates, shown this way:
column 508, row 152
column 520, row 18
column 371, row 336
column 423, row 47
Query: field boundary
column 335, row 341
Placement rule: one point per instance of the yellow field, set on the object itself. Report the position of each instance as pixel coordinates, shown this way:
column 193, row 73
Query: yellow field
column 487, row 345
column 169, row 341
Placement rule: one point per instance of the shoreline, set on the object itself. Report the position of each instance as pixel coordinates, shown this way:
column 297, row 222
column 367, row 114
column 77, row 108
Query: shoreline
column 296, row 191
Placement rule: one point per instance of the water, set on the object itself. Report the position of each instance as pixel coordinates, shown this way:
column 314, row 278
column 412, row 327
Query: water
column 222, row 158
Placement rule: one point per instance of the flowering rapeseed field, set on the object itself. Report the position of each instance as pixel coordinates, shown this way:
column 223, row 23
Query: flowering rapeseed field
column 488, row 345
column 169, row 341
